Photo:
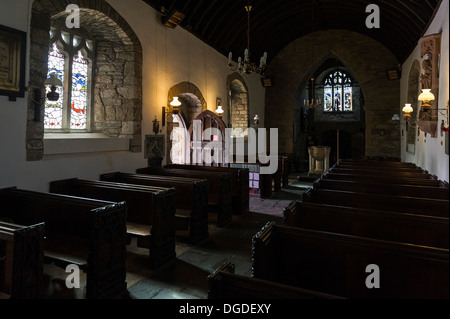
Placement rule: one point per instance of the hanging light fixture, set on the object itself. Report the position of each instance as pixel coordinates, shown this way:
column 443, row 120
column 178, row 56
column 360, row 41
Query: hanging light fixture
column 312, row 102
column 247, row 66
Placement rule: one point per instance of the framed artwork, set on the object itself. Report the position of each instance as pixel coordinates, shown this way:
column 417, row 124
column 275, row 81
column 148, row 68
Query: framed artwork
column 12, row 62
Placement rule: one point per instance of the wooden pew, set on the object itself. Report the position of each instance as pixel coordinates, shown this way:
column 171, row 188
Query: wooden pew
column 191, row 215
column 223, row 283
column 375, row 187
column 150, row 212
column 219, row 191
column 88, row 233
column 386, row 179
column 239, row 184
column 382, row 169
column 401, row 204
column 400, row 227
column 21, row 258
column 374, row 172
column 337, row 264
column 376, row 163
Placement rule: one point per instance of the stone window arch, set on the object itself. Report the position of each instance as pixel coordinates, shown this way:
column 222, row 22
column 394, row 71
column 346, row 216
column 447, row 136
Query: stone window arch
column 116, row 96
column 239, row 105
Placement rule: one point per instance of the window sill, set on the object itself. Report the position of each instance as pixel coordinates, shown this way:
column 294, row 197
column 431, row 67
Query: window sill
column 71, row 143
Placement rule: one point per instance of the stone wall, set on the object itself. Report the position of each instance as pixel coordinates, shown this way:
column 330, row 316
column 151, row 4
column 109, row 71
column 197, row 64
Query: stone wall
column 366, row 59
column 117, row 101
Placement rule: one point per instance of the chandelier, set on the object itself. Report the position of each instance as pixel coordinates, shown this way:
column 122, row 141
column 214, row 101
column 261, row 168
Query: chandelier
column 247, row 66
column 312, row 102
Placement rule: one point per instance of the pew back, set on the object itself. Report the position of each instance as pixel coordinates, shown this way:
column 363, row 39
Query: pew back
column 150, row 214
column 340, row 264
column 402, row 204
column 219, row 191
column 225, row 284
column 82, row 231
column 239, row 183
column 191, row 199
column 400, row 227
column 384, row 189
column 21, row 257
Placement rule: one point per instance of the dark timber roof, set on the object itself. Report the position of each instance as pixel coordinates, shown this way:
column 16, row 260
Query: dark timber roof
column 275, row 23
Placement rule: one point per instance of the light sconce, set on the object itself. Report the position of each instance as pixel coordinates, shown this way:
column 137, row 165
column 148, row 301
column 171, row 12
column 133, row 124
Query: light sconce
column 256, row 119
column 52, row 82
column 407, row 110
column 175, row 104
column 426, row 97
column 219, row 111
column 395, row 119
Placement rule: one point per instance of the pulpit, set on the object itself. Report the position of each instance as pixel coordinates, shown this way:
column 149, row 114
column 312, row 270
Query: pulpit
column 319, row 160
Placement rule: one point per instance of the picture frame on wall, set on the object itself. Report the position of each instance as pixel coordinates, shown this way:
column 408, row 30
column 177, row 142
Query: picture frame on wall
column 12, row 62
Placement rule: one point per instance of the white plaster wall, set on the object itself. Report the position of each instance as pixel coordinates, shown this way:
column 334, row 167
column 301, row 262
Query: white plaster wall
column 430, row 152
column 169, row 57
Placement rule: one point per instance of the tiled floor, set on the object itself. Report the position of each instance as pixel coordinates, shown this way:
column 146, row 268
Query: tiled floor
column 186, row 276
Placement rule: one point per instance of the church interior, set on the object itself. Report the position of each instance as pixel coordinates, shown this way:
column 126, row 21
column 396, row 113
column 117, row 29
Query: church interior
column 218, row 149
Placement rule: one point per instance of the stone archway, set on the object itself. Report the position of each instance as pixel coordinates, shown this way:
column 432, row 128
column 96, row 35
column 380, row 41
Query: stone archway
column 361, row 55
column 116, row 100
column 192, row 104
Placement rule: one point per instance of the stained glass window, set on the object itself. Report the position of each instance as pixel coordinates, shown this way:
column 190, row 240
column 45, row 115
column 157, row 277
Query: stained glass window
column 53, row 118
column 70, row 112
column 337, row 92
column 79, row 98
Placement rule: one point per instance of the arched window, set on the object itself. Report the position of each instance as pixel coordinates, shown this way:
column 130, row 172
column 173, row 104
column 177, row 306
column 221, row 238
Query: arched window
column 70, row 56
column 337, row 92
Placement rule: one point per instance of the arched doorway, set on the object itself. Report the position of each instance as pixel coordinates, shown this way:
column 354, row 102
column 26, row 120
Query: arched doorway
column 340, row 142
column 207, row 140
column 339, row 107
column 192, row 104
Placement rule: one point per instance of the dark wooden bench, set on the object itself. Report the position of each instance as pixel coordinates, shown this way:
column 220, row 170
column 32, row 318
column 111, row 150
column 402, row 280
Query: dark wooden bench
column 239, row 183
column 21, row 257
column 337, row 264
column 225, row 284
column 88, row 233
column 150, row 212
column 407, row 228
column 391, row 174
column 375, row 187
column 401, row 204
column 219, row 191
column 382, row 169
column 191, row 215
column 386, row 179
column 376, row 163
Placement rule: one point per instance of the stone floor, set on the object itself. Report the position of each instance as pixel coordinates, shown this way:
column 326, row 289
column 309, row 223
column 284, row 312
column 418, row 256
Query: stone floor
column 186, row 276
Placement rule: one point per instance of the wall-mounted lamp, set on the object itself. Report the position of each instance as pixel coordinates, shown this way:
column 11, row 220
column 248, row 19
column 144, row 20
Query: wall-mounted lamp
column 407, row 110
column 175, row 104
column 256, row 119
column 426, row 97
column 52, row 82
column 219, row 110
